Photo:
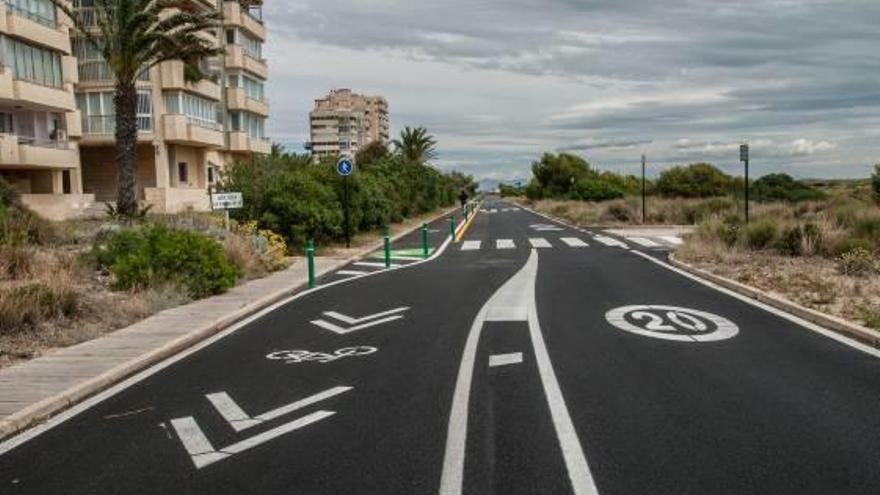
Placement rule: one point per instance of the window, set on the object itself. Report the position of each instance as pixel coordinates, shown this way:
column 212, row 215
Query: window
column 92, row 66
column 6, row 126
column 253, row 87
column 41, row 11
column 211, row 168
column 230, row 36
column 99, row 112
column 199, row 111
column 252, row 46
column 31, row 63
column 183, row 173
column 252, row 125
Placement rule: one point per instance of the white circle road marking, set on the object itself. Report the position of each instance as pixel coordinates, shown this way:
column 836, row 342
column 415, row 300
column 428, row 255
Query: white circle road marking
column 672, row 323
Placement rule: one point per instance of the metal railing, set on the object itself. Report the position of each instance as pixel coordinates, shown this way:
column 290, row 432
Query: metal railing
column 60, row 142
column 105, row 125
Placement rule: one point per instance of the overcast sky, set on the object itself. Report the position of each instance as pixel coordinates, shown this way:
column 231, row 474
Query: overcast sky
column 501, row 81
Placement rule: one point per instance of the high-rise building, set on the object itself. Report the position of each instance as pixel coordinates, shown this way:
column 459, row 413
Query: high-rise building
column 59, row 108
column 343, row 122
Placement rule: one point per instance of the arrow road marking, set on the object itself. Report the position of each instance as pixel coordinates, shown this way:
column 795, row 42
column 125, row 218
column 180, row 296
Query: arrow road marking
column 204, row 454
column 240, row 421
column 358, row 323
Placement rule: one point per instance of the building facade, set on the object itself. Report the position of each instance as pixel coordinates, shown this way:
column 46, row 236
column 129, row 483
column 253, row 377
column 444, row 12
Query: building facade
column 188, row 133
column 343, row 122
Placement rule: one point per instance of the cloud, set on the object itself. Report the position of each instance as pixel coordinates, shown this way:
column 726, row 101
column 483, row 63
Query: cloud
column 809, row 147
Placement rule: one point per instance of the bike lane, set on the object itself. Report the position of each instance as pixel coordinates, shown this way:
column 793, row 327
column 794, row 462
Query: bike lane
column 227, row 419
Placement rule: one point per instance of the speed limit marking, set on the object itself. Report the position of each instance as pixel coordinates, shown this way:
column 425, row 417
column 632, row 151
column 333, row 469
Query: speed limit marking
column 672, row 323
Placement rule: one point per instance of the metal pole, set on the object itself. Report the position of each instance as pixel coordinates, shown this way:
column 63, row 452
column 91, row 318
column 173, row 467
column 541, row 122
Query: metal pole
column 347, row 212
column 452, row 226
column 747, row 190
column 644, row 193
column 226, row 219
column 387, row 248
column 425, row 241
column 310, row 254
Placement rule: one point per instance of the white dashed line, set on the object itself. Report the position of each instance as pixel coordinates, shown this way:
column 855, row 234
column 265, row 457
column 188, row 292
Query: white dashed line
column 505, row 359
column 471, row 245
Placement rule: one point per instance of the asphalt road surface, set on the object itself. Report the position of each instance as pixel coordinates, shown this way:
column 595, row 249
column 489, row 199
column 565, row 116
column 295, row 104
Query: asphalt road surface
column 529, row 358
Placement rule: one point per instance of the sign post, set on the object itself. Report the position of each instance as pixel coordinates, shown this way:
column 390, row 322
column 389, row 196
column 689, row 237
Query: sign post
column 744, row 157
column 644, row 192
column 226, row 202
column 345, row 167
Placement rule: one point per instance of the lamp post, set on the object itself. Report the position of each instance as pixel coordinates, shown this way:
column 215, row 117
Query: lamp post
column 644, row 192
column 744, row 157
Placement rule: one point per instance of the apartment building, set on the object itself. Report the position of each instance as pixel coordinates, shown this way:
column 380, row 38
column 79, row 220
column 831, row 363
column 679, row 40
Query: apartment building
column 39, row 123
column 57, row 118
column 343, row 122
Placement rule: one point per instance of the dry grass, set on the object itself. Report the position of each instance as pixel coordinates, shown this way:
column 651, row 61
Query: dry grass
column 622, row 212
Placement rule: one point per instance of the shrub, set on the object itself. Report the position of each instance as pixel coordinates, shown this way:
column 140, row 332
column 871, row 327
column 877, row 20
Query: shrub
column 24, row 307
column 618, row 212
column 857, row 262
column 696, row 213
column 875, row 182
column 8, row 195
column 597, row 189
column 156, row 255
column 19, row 227
column 700, row 180
column 761, row 233
column 16, row 262
column 791, row 241
column 782, row 187
column 868, row 229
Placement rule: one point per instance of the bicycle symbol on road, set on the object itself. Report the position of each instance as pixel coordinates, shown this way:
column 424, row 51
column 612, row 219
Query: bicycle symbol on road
column 672, row 323
column 301, row 356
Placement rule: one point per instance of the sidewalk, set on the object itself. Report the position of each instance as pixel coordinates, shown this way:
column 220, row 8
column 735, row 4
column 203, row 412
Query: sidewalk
column 33, row 391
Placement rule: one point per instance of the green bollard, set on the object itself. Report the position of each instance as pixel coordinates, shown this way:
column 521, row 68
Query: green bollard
column 387, row 249
column 425, row 249
column 310, row 253
column 452, row 226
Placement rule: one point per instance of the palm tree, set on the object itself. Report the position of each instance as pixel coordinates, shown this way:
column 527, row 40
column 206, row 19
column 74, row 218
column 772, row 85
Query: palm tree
column 416, row 145
column 133, row 36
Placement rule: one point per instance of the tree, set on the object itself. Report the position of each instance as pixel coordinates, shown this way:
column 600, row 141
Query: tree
column 699, row 180
column 557, row 175
column 875, row 182
column 133, row 36
column 371, row 154
column 782, row 187
column 416, row 146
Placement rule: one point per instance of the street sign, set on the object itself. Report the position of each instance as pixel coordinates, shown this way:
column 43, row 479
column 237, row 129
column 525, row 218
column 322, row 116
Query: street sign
column 344, row 166
column 744, row 153
column 227, row 201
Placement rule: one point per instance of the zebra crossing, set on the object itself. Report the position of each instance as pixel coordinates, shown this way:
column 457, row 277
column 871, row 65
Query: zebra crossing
column 532, row 242
column 499, row 210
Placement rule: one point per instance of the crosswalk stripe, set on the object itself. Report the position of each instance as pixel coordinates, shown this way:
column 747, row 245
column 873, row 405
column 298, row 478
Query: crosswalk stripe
column 539, row 242
column 641, row 241
column 671, row 239
column 609, row 241
column 353, row 273
column 574, row 242
column 504, row 244
column 471, row 245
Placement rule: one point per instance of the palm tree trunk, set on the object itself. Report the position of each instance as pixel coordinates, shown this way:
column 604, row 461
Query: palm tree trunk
column 125, row 101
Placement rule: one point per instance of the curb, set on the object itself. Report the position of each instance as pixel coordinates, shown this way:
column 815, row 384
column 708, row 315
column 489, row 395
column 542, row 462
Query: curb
column 46, row 408
column 839, row 325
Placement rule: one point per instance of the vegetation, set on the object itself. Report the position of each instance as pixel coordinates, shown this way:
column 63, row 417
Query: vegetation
column 875, row 183
column 699, row 180
column 782, row 187
column 299, row 199
column 566, row 176
column 416, row 146
column 133, row 36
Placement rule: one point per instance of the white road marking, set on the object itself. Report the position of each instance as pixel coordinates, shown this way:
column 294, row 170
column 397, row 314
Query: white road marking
column 354, row 321
column 514, row 301
column 203, row 453
column 610, row 241
column 353, row 273
column 672, row 239
column 240, row 421
column 505, row 359
column 539, row 242
column 574, row 242
column 642, row 241
column 471, row 245
column 373, row 264
column 504, row 244
column 342, row 331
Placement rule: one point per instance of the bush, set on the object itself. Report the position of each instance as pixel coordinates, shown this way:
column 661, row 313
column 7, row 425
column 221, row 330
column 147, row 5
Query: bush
column 791, row 241
column 760, row 234
column 156, row 255
column 24, row 307
column 19, row 227
column 597, row 189
column 857, row 262
column 16, row 262
column 875, row 183
column 782, row 187
column 698, row 212
column 868, row 229
column 8, row 195
column 699, row 180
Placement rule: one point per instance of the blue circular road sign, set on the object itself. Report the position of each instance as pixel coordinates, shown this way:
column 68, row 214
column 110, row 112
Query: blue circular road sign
column 344, row 166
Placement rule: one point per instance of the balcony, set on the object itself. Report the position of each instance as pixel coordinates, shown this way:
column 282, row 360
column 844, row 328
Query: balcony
column 19, row 91
column 29, row 152
column 237, row 99
column 22, row 23
column 172, row 79
column 240, row 142
column 100, row 130
column 234, row 15
column 186, row 130
column 236, row 58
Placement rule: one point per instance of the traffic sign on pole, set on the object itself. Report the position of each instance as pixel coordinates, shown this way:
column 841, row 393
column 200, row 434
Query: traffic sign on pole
column 344, row 167
column 744, row 157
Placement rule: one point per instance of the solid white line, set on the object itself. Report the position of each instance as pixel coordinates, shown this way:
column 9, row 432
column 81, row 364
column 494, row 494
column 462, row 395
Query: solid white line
column 766, row 307
column 672, row 239
column 641, row 241
column 574, row 242
column 539, row 242
column 87, row 404
column 355, row 321
column 504, row 244
column 505, row 359
column 471, row 245
column 372, row 264
column 354, row 273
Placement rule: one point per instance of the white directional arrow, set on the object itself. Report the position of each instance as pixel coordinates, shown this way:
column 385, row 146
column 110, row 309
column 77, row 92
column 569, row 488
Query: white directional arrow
column 356, row 324
column 204, row 454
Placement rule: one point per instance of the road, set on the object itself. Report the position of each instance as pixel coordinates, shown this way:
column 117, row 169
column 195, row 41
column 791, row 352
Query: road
column 529, row 358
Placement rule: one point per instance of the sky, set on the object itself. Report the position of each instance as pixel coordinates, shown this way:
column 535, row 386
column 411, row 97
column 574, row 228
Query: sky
column 500, row 82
